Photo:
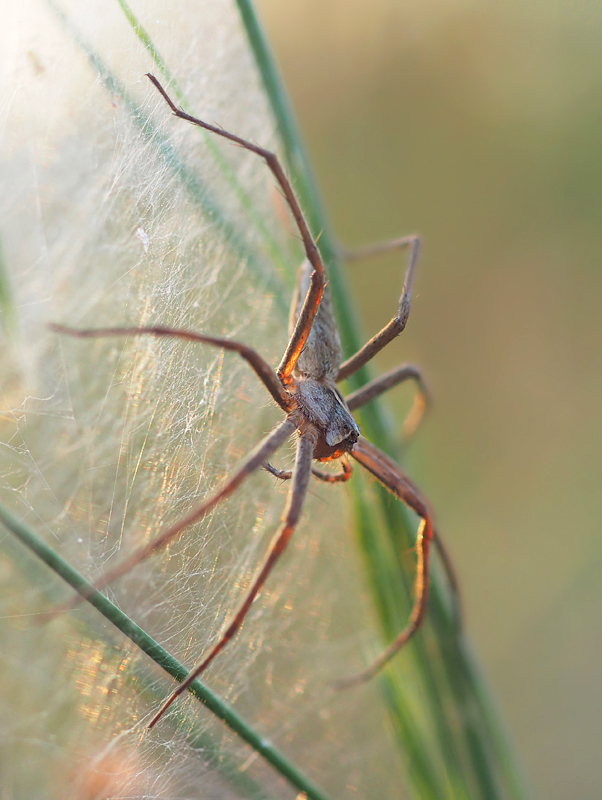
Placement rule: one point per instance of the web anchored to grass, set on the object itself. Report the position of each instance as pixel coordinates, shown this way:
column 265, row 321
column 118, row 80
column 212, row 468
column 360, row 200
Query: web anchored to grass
column 120, row 217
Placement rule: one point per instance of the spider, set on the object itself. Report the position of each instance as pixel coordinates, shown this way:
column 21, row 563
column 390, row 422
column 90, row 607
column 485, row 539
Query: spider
column 305, row 387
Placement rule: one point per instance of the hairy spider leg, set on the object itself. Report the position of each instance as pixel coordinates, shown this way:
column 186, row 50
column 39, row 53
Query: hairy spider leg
column 387, row 381
column 380, row 248
column 391, row 476
column 374, row 389
column 318, row 281
column 327, row 477
column 258, row 364
column 294, row 506
column 254, row 460
column 398, row 323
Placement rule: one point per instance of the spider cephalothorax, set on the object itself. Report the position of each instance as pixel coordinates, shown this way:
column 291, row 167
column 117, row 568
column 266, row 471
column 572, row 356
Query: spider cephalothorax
column 324, row 408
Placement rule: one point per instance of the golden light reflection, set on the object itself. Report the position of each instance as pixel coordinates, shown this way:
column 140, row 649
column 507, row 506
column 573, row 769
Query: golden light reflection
column 99, row 671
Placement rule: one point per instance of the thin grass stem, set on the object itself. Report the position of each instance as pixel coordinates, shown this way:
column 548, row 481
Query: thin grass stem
column 160, row 656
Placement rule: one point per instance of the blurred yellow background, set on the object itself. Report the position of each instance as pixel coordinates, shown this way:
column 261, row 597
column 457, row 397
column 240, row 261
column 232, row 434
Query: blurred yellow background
column 479, row 125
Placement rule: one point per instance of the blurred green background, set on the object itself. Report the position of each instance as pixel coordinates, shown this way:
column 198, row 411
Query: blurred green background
column 479, row 125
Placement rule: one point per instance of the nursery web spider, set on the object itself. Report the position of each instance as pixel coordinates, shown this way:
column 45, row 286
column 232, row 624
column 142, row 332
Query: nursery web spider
column 305, row 388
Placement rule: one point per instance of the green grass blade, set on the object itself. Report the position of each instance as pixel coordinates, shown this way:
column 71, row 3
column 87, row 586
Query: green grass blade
column 160, row 656
column 208, row 746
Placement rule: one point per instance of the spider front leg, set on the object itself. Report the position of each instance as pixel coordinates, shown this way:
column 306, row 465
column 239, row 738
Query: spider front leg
column 254, row 460
column 258, row 364
column 318, row 281
column 294, row 505
column 398, row 323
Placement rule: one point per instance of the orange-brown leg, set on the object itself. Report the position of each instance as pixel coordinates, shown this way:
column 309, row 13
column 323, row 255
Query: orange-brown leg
column 398, row 323
column 317, row 282
column 387, row 381
column 327, row 477
column 260, row 366
column 253, row 461
column 390, row 475
column 296, row 498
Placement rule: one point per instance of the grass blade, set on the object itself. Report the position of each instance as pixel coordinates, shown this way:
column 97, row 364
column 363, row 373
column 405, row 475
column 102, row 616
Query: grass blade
column 160, row 656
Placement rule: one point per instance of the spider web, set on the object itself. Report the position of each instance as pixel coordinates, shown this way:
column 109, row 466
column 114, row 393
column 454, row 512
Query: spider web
column 119, row 214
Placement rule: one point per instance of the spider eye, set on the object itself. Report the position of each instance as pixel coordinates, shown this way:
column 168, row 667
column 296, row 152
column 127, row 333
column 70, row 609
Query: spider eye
column 349, row 432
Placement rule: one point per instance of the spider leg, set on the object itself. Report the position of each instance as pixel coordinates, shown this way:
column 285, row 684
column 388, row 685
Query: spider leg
column 294, row 505
column 316, row 286
column 390, row 475
column 378, row 248
column 334, row 477
column 398, row 323
column 281, row 474
column 262, row 369
column 253, row 461
column 327, row 477
column 388, row 381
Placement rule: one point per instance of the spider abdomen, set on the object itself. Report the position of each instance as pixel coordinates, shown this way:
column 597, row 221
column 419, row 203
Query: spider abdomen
column 321, row 356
